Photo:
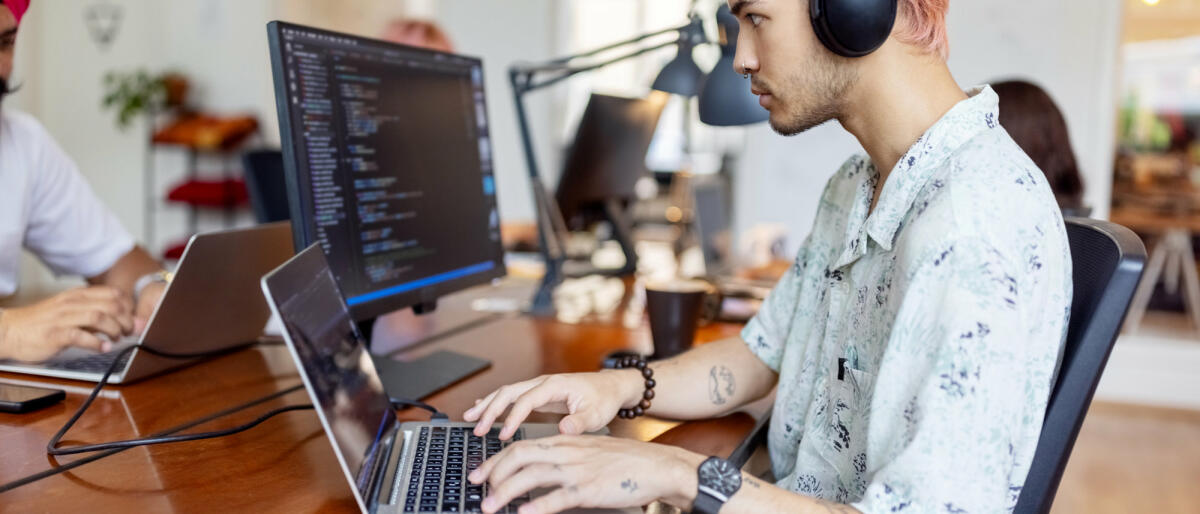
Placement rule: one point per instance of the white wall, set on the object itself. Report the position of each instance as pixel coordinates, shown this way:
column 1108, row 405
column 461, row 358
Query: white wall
column 220, row 45
column 1070, row 47
column 502, row 33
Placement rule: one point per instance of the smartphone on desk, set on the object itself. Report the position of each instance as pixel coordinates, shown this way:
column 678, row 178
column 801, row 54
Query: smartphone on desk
column 19, row 398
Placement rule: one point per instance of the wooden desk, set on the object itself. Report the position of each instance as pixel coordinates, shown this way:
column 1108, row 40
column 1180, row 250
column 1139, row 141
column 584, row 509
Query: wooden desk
column 287, row 463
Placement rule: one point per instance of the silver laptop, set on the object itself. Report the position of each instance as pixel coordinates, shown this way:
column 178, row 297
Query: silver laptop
column 391, row 466
column 213, row 302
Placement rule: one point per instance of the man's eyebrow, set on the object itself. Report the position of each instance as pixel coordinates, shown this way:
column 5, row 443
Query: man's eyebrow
column 9, row 33
column 739, row 5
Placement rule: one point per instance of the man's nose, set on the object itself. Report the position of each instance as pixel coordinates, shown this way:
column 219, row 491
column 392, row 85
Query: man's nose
column 744, row 60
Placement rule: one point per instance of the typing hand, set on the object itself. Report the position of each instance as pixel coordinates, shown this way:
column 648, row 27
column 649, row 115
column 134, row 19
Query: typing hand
column 590, row 400
column 588, row 471
column 77, row 317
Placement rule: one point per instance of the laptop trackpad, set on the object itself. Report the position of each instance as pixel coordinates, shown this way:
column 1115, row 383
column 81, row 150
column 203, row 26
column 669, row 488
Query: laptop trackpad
column 72, row 353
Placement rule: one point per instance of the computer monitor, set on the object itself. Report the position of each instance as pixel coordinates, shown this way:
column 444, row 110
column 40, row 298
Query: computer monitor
column 712, row 223
column 388, row 162
column 608, row 155
column 389, row 165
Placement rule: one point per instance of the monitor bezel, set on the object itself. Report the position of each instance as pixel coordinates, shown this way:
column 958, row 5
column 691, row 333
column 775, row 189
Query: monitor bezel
column 299, row 203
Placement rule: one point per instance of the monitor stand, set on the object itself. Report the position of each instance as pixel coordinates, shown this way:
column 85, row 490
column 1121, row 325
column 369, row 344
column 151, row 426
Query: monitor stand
column 421, row 377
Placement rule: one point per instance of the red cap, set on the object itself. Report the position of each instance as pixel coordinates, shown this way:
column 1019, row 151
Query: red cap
column 18, row 8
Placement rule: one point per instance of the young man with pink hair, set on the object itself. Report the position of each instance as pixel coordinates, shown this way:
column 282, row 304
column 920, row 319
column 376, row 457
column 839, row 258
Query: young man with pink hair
column 912, row 345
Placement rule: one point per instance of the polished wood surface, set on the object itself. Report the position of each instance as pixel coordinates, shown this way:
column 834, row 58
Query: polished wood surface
column 287, row 463
column 1133, row 458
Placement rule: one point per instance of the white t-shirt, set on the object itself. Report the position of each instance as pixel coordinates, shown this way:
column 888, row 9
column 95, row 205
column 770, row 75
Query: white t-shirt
column 47, row 207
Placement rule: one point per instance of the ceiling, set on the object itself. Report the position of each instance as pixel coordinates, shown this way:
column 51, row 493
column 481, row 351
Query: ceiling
column 1169, row 19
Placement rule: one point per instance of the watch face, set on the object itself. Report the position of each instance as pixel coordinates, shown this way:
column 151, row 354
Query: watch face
column 720, row 476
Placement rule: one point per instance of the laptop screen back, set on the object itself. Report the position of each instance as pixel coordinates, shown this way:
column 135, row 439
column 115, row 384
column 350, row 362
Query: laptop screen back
column 336, row 366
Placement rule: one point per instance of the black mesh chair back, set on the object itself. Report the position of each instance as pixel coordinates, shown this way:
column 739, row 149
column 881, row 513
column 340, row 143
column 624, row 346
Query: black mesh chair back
column 266, row 185
column 1107, row 261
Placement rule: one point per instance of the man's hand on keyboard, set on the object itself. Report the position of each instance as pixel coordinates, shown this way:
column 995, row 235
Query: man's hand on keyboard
column 590, row 400
column 590, row 472
column 78, row 317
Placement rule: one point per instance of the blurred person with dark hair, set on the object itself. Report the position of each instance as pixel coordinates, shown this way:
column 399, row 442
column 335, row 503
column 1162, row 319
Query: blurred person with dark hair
column 1034, row 121
column 48, row 208
column 424, row 34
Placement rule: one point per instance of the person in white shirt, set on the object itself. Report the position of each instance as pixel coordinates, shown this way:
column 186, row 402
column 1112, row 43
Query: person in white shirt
column 47, row 207
column 913, row 343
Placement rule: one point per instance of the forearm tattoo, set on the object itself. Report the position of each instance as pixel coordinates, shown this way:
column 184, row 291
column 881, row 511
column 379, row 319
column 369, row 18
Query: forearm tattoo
column 720, row 385
column 629, row 485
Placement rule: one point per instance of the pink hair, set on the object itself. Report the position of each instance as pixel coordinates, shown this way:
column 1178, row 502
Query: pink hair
column 923, row 23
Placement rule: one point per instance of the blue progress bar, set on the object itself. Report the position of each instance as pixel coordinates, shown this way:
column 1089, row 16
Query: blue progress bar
column 417, row 284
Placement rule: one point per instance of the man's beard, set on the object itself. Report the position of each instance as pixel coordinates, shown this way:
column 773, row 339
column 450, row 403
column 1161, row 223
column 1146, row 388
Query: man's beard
column 4, row 90
column 823, row 87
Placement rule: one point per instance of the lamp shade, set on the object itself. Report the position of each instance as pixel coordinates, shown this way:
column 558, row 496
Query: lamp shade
column 681, row 76
column 725, row 97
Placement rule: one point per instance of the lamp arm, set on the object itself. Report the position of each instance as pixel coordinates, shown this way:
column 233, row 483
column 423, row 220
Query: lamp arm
column 523, row 78
column 566, row 73
column 563, row 62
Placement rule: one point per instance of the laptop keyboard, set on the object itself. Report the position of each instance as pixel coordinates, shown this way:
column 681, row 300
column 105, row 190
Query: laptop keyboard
column 444, row 458
column 97, row 363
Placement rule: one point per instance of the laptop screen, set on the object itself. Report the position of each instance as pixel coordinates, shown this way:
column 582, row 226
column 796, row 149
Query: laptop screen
column 336, row 366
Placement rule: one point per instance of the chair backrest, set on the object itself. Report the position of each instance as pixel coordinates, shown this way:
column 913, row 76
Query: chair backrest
column 266, row 184
column 1107, row 261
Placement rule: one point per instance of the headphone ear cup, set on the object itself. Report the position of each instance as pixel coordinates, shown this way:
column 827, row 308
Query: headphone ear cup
column 852, row 28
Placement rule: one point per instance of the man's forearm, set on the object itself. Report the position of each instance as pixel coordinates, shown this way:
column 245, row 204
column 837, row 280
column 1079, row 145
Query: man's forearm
column 760, row 496
column 709, row 380
column 127, row 270
column 754, row 496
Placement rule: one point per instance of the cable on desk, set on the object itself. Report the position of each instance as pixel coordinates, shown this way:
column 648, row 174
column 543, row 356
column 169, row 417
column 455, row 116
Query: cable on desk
column 100, row 455
column 102, row 450
column 434, row 414
column 52, row 446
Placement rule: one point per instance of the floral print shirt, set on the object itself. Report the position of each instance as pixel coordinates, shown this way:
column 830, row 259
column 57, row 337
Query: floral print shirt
column 916, row 346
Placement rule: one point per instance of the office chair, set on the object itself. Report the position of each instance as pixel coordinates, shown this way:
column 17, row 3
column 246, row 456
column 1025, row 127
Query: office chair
column 266, row 185
column 1107, row 261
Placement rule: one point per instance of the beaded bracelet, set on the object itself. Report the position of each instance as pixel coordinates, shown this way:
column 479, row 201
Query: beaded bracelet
column 648, row 374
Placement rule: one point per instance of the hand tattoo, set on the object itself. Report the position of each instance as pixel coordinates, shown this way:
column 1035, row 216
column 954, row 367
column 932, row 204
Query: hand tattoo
column 720, row 380
column 629, row 485
column 753, row 483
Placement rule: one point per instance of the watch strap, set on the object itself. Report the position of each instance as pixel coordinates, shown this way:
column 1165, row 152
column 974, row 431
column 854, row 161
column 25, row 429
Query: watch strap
column 706, row 504
column 160, row 276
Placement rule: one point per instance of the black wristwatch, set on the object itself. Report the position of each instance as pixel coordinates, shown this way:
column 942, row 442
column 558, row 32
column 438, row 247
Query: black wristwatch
column 718, row 480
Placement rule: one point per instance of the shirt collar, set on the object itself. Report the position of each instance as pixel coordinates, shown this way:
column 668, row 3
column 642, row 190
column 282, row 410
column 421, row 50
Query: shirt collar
column 962, row 122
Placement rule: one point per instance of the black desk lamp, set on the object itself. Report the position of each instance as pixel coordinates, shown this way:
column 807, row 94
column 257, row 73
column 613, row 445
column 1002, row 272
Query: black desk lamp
column 725, row 100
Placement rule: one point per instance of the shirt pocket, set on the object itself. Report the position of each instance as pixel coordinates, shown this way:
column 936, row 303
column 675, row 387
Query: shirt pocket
column 849, row 410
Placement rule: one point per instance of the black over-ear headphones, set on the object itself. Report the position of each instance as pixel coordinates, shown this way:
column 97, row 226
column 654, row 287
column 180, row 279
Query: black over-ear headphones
column 852, row 28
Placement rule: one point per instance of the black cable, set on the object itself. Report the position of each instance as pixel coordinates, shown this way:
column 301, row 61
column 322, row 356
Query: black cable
column 106, row 449
column 173, row 438
column 100, row 455
column 434, row 414
column 52, row 446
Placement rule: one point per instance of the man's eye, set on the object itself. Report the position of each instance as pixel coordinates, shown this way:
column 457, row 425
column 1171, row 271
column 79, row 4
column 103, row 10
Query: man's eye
column 754, row 19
